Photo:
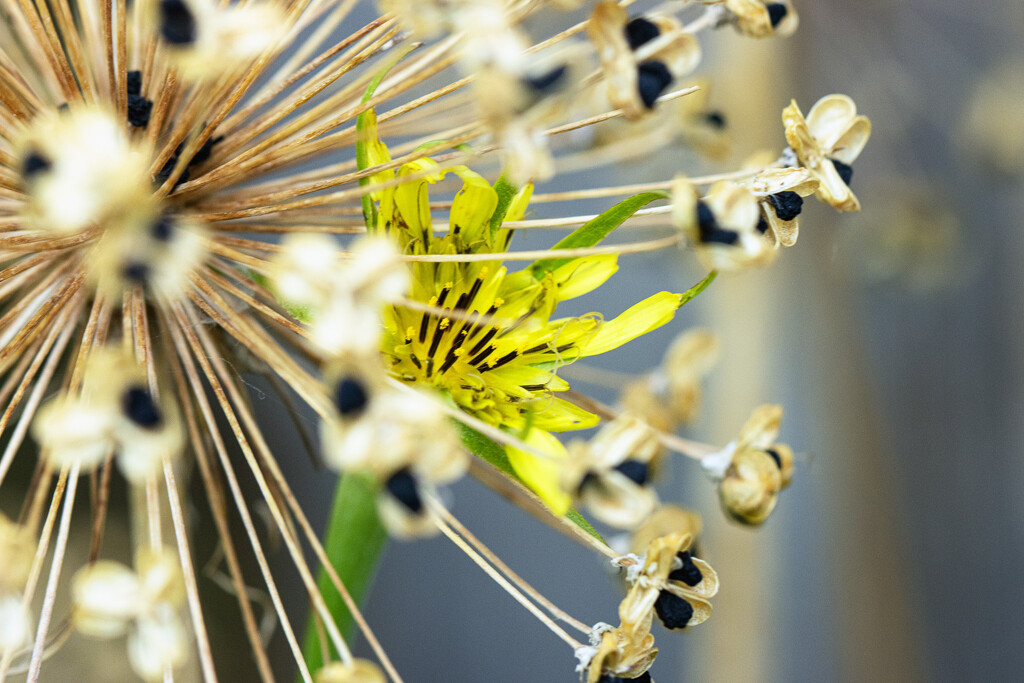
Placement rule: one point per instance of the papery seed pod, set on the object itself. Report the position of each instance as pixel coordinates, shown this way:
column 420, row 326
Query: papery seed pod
column 750, row 488
column 106, row 596
column 17, row 546
column 81, row 168
column 72, row 430
column 666, row 520
column 158, row 643
column 205, row 41
column 359, row 671
column 827, row 142
column 15, row 624
column 611, row 473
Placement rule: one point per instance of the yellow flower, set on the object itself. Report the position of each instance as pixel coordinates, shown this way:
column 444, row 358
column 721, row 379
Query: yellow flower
column 491, row 340
column 827, row 142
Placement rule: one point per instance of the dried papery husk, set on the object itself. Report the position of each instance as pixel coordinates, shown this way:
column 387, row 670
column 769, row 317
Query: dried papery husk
column 750, row 488
column 106, row 598
column 17, row 547
column 761, row 428
column 667, row 520
column 357, row 671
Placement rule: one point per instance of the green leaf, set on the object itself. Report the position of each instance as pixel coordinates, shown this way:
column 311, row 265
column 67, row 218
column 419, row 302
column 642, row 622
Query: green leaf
column 362, row 156
column 506, row 193
column 493, row 453
column 593, row 231
column 353, row 542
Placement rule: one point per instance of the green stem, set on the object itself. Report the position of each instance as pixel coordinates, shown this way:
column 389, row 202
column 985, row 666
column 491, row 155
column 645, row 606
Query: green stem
column 353, row 542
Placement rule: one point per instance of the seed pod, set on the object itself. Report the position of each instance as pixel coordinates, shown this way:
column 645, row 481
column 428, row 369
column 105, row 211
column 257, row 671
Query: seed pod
column 750, row 488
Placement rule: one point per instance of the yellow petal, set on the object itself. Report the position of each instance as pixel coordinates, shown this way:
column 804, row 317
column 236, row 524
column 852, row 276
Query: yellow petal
column 520, row 202
column 582, row 275
column 542, row 474
column 649, row 314
column 473, row 206
column 411, row 197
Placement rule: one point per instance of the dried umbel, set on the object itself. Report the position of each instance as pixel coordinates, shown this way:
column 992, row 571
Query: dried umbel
column 194, row 191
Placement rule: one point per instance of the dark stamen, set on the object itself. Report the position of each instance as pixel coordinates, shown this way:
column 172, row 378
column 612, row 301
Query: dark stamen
column 138, row 406
column 402, row 485
column 634, row 470
column 689, row 573
column 507, row 358
column 845, row 171
column 640, row 31
column 481, row 356
column 673, row 611
column 350, row 397
column 177, row 25
column 652, row 80
column 776, row 12
column 762, row 225
column 787, row 205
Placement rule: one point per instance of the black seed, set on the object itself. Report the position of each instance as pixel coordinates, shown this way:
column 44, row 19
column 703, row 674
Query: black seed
column 634, row 470
column 710, row 232
column 652, row 80
column 608, row 678
column 547, row 80
column 689, row 573
column 350, row 397
column 177, row 25
column 204, row 152
column 139, row 110
column 776, row 12
column 775, row 456
column 589, row 479
column 845, row 171
column 762, row 225
column 787, row 205
column 136, row 272
column 34, row 164
column 162, row 228
column 640, row 31
column 402, row 485
column 673, row 611
column 138, row 406
column 715, row 118
column 133, row 82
